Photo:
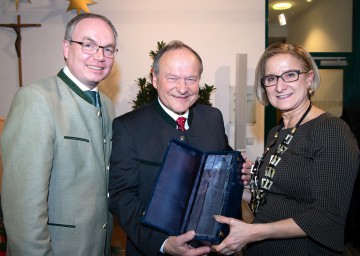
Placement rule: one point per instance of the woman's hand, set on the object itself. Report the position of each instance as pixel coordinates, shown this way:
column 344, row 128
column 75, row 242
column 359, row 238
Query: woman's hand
column 245, row 172
column 240, row 234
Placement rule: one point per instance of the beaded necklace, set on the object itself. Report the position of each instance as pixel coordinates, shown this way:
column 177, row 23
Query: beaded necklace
column 258, row 191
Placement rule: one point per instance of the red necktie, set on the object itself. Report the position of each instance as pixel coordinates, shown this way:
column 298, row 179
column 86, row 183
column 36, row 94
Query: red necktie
column 181, row 123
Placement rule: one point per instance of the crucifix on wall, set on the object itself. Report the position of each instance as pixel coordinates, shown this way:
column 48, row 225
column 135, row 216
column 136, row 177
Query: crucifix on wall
column 17, row 27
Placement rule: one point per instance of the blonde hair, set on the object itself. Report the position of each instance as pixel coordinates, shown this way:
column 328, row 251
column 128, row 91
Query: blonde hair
column 295, row 50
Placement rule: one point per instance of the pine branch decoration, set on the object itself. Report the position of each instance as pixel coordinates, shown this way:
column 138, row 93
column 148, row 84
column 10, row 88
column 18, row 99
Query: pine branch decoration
column 147, row 93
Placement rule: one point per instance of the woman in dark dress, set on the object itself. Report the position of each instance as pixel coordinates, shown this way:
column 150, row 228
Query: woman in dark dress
column 302, row 184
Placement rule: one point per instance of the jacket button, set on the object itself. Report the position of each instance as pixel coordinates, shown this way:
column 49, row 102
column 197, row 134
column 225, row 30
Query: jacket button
column 182, row 138
column 105, row 226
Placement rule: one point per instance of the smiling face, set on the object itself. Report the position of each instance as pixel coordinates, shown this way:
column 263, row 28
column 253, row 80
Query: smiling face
column 89, row 69
column 177, row 82
column 287, row 96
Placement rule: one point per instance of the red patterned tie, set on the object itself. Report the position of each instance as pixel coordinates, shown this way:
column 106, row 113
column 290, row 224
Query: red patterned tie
column 181, row 123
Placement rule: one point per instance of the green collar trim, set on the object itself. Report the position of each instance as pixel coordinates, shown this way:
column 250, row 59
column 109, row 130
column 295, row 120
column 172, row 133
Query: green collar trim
column 75, row 88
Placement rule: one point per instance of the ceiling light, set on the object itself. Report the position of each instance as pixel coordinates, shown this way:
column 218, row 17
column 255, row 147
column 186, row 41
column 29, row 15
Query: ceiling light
column 282, row 6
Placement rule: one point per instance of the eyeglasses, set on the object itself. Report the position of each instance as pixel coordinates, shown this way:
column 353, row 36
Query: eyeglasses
column 92, row 48
column 288, row 76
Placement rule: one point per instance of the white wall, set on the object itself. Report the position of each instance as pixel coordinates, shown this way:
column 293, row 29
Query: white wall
column 217, row 30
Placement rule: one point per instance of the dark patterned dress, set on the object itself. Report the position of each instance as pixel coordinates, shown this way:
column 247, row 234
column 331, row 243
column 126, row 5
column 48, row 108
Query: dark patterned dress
column 312, row 184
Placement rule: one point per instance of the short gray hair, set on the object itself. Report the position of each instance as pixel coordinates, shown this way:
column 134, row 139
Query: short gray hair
column 74, row 21
column 174, row 45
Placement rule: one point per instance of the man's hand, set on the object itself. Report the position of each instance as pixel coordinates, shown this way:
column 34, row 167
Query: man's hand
column 177, row 245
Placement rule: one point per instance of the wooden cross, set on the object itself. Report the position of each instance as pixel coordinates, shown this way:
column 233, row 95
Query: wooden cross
column 17, row 27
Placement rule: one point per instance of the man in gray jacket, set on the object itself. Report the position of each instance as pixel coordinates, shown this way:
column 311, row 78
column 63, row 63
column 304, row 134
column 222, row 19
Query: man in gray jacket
column 56, row 148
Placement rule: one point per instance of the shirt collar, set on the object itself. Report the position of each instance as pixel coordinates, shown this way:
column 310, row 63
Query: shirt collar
column 76, row 81
column 171, row 113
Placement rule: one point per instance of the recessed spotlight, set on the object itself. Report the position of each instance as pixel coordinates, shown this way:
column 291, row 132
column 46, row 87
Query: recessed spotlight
column 282, row 19
column 282, row 6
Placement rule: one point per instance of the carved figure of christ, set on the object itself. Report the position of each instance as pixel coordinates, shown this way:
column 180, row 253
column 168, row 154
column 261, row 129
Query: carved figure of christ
column 17, row 27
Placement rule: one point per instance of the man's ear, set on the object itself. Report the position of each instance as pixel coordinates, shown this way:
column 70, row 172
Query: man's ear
column 154, row 80
column 66, row 49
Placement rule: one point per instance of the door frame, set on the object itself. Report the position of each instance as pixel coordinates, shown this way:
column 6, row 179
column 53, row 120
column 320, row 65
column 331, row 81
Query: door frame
column 351, row 82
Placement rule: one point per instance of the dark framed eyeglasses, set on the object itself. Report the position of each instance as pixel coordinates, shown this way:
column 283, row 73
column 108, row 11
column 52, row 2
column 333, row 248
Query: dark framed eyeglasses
column 92, row 48
column 288, row 76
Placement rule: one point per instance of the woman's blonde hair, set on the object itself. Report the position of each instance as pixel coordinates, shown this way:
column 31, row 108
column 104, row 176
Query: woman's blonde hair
column 295, row 50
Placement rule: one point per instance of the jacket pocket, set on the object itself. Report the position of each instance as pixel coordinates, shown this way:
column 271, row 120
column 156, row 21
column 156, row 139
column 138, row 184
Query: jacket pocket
column 61, row 225
column 75, row 138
